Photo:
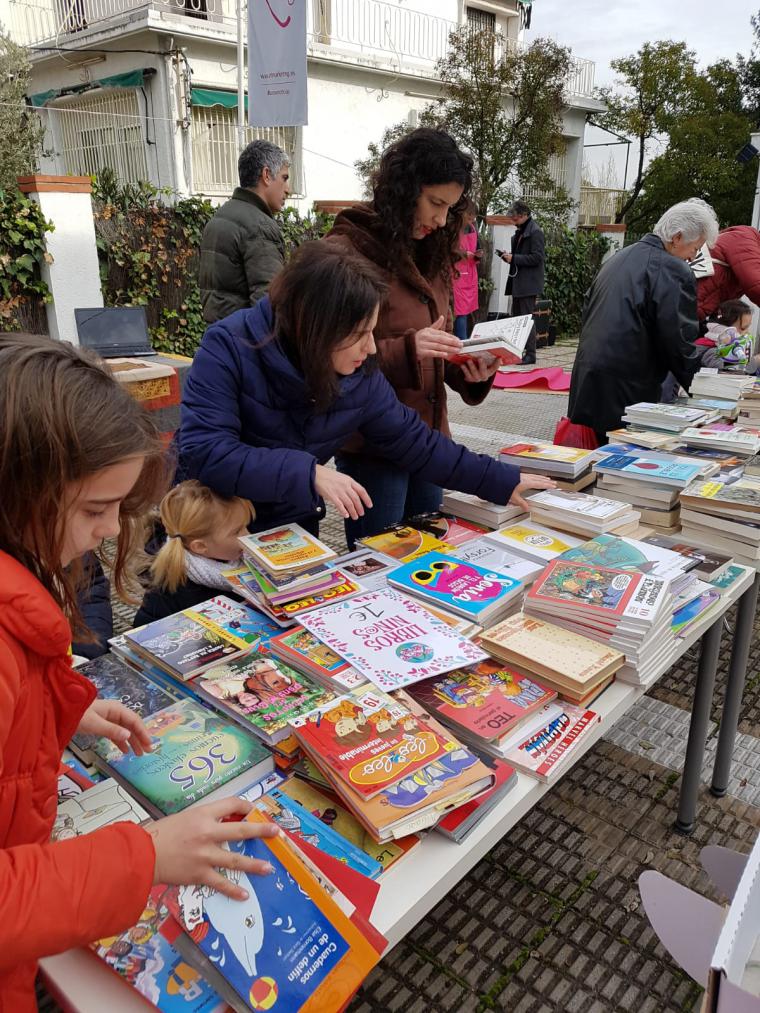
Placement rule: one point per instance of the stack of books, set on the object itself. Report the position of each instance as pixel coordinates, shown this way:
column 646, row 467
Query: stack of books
column 301, row 649
column 628, row 610
column 369, row 568
column 732, row 439
column 499, row 559
column 483, row 704
column 536, row 544
column 569, row 467
column 672, row 418
column 404, row 543
column 392, row 764
column 640, row 556
column 464, row 589
column 649, row 469
column 726, row 386
column 290, row 573
column 749, row 405
column 581, row 513
column 646, row 438
column 480, row 511
column 709, row 564
column 659, row 507
column 574, row 666
column 453, row 531
column 725, row 517
column 725, row 409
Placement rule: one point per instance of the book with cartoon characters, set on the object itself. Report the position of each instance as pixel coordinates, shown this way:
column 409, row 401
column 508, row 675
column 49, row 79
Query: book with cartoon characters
column 300, row 648
column 81, row 812
column 261, row 693
column 149, row 963
column 465, row 589
column 404, row 543
column 485, row 701
column 187, row 643
column 196, row 755
column 368, row 740
column 546, row 752
column 288, row 946
column 391, row 639
column 286, row 549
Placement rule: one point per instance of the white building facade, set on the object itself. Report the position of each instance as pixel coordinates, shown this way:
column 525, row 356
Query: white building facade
column 148, row 88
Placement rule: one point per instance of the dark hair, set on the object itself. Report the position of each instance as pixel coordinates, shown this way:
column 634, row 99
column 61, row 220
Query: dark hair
column 424, row 157
column 518, row 207
column 63, row 418
column 257, row 156
column 731, row 311
column 321, row 296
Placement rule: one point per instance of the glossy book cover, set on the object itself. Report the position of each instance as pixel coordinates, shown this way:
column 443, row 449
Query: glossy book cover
column 649, row 468
column 445, row 580
column 301, row 646
column 368, row 739
column 391, row 639
column 289, row 547
column 194, row 753
column 600, row 591
column 404, row 543
column 288, row 946
column 486, row 699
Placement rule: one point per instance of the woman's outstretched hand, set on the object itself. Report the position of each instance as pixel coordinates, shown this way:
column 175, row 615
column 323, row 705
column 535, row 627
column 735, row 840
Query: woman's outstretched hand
column 435, row 343
column 346, row 495
column 527, row 483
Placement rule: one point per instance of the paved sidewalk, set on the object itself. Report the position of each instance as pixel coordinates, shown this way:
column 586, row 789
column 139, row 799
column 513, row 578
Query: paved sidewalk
column 551, row 920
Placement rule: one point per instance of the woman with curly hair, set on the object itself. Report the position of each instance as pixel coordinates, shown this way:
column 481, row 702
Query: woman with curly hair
column 410, row 230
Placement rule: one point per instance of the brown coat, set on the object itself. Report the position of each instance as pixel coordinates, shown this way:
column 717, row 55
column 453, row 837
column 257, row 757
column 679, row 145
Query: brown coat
column 413, row 302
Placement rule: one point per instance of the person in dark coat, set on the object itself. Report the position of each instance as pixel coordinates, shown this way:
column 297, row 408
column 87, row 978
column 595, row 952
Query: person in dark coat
column 640, row 321
column 94, row 602
column 242, row 247
column 410, row 231
column 275, row 391
column 526, row 268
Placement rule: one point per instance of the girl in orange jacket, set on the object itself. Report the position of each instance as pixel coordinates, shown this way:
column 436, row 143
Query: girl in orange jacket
column 79, row 462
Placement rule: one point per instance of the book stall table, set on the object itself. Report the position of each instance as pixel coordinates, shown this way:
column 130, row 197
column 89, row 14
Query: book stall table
column 410, row 888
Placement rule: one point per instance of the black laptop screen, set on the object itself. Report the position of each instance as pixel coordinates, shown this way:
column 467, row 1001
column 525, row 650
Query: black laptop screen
column 114, row 330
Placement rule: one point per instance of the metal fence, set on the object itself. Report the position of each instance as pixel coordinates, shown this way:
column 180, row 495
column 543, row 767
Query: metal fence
column 599, row 205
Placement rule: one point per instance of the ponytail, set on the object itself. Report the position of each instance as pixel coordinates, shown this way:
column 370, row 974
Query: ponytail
column 169, row 567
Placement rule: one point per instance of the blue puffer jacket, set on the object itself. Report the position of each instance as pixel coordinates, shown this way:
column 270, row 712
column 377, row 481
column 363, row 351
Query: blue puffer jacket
column 249, row 428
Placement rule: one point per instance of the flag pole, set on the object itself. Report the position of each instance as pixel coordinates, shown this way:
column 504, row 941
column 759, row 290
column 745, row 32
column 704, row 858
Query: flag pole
column 241, row 117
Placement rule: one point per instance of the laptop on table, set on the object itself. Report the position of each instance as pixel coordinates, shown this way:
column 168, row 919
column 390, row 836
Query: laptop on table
column 114, row 331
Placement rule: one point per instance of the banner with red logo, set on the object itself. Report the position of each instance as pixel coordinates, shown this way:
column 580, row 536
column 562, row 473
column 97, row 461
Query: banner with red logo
column 277, row 63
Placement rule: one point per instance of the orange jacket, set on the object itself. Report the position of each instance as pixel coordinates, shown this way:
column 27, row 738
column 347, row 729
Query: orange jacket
column 52, row 896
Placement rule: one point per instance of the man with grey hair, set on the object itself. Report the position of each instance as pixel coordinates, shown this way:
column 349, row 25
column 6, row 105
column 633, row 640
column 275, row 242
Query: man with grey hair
column 640, row 320
column 242, row 247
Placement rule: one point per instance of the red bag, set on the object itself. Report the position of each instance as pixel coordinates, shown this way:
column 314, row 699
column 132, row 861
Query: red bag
column 568, row 434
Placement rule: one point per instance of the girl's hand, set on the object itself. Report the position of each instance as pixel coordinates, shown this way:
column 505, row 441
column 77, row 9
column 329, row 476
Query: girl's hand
column 342, row 491
column 479, row 368
column 435, row 343
column 112, row 720
column 189, row 846
column 528, row 482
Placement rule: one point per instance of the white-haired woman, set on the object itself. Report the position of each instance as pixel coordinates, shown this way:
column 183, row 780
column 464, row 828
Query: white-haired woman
column 640, row 320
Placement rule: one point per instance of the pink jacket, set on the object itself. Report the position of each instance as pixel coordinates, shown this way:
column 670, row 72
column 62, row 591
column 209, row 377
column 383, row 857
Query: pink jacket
column 466, row 285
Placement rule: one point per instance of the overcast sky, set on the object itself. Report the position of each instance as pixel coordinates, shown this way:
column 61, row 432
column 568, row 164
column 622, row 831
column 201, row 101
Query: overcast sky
column 601, row 30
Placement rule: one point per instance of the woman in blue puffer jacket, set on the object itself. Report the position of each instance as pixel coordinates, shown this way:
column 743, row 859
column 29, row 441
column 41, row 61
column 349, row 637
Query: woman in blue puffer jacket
column 274, row 391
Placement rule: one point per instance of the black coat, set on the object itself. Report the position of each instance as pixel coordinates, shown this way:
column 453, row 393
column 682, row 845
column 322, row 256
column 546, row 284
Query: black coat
column 158, row 604
column 639, row 324
column 95, row 605
column 526, row 272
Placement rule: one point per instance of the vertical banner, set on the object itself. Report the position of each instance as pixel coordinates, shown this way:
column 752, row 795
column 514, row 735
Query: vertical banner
column 277, row 63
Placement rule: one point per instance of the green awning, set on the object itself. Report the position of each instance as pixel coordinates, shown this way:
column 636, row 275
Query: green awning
column 208, row 97
column 130, row 79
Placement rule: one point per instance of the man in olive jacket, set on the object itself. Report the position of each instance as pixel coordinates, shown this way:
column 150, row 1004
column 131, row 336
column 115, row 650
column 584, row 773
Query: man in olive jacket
column 242, row 247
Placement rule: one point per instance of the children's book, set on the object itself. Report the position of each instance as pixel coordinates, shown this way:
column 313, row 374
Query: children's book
column 486, row 700
column 196, row 755
column 287, row 946
column 451, row 530
column 104, row 803
column 292, row 816
column 458, row 824
column 307, row 600
column 286, row 548
column 148, row 962
column 323, row 803
column 391, row 639
column 302, row 649
column 533, row 541
column 546, row 752
column 616, row 595
column 404, row 543
column 261, row 692
column 368, row 740
column 649, row 469
column 187, row 643
column 463, row 588
column 116, row 681
column 540, row 455
column 631, row 554
column 369, row 568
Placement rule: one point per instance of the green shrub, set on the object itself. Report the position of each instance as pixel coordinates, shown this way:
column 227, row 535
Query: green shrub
column 572, row 262
column 23, row 293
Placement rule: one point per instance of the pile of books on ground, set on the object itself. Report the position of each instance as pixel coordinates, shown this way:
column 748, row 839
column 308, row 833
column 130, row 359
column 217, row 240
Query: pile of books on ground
column 570, row 468
column 724, row 516
column 673, row 418
column 581, row 513
column 288, row 572
column 726, row 386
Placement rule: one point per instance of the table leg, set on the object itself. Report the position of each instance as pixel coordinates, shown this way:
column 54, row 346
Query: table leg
column 700, row 716
column 737, row 673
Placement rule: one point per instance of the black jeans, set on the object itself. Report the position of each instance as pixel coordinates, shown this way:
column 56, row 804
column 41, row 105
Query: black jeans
column 521, row 306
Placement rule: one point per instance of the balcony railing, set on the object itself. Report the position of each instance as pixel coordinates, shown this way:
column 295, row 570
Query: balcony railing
column 599, row 205
column 366, row 30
